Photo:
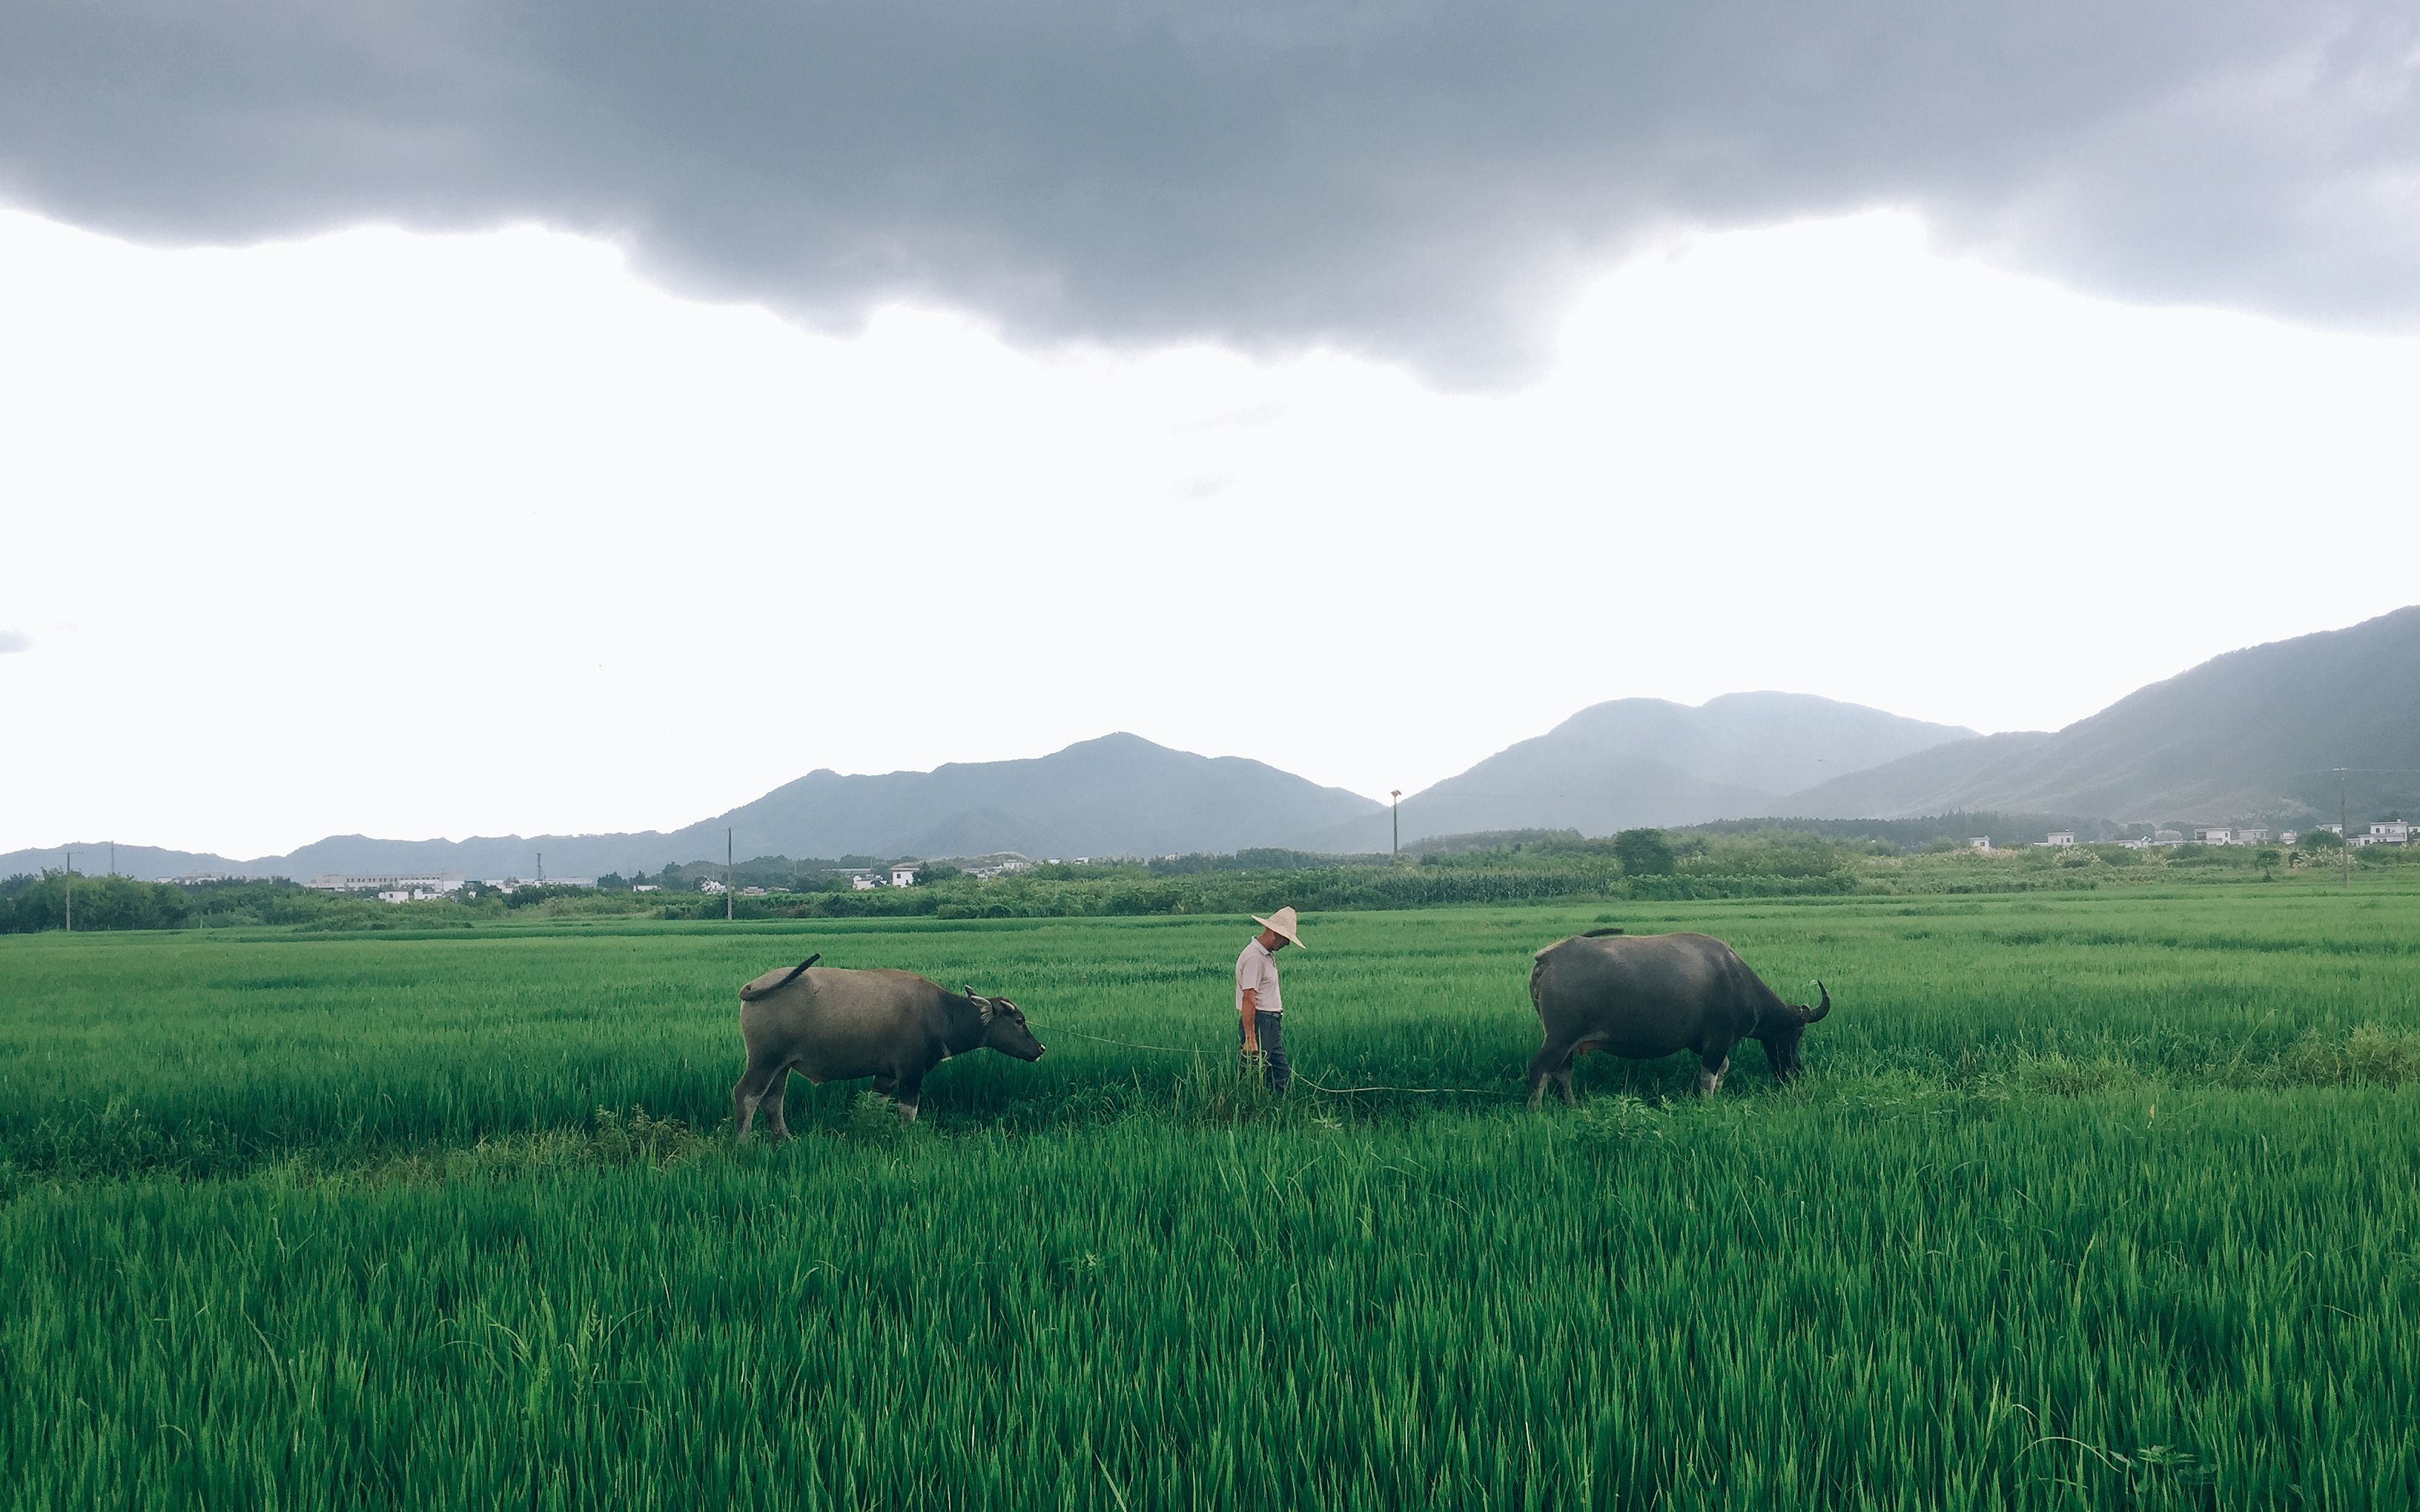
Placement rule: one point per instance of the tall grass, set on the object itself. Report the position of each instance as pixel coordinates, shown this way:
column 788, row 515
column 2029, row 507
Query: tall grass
column 2108, row 1201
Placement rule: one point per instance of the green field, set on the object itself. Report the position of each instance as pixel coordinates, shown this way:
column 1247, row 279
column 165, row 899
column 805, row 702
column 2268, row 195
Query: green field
column 2090, row 1200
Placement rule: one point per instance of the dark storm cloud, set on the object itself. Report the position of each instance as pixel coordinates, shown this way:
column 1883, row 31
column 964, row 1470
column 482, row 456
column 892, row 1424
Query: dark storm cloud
column 1413, row 177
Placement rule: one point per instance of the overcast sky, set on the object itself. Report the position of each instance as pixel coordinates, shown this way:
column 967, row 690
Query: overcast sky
column 450, row 420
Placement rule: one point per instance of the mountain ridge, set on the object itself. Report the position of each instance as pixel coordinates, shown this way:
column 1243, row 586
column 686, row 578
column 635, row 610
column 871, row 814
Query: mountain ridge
column 1629, row 763
column 2257, row 733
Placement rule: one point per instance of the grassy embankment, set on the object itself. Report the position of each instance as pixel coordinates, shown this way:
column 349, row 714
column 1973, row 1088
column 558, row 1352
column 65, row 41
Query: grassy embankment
column 2086, row 1201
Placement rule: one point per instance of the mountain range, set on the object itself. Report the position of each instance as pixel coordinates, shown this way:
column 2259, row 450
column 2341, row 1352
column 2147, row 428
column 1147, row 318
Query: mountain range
column 2253, row 733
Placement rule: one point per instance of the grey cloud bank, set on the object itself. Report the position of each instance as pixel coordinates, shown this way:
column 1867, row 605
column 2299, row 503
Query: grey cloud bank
column 1417, row 180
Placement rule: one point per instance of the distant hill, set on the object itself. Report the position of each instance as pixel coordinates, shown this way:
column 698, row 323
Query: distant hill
column 1635, row 762
column 1120, row 794
column 2251, row 734
column 146, row 862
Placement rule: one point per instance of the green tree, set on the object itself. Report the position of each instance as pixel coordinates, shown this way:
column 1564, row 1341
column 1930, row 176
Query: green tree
column 2319, row 839
column 1644, row 853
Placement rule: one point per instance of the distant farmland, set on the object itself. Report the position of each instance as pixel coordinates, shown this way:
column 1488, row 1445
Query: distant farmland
column 2086, row 1200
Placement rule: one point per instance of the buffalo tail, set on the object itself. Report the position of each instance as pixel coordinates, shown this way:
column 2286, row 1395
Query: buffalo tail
column 750, row 994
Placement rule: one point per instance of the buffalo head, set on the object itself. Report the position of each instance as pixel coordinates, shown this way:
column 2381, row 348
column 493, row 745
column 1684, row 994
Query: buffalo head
column 1780, row 1038
column 1004, row 1028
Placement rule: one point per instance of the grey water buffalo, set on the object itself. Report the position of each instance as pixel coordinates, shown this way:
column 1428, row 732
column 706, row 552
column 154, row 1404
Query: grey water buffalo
column 835, row 1026
column 1648, row 995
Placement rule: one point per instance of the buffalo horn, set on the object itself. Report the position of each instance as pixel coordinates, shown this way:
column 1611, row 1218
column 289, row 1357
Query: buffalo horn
column 1823, row 1008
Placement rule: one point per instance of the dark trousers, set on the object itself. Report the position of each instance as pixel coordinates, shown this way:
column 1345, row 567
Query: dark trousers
column 1274, row 1065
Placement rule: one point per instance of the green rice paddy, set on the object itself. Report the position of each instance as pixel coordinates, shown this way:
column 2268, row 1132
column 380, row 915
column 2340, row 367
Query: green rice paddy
column 2085, row 1201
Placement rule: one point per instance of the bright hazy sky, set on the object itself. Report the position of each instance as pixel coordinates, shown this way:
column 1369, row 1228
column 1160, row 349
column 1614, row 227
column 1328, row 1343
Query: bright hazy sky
column 441, row 534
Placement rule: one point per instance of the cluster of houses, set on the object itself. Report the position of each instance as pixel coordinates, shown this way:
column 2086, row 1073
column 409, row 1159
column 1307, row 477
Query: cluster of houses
column 391, row 888
column 2210, row 835
column 2381, row 832
column 411, row 887
column 867, row 878
column 897, row 875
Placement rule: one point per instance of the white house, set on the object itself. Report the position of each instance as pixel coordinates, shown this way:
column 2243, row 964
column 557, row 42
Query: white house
column 863, row 883
column 2061, row 837
column 710, row 885
column 2288, row 836
column 2390, row 832
column 2252, row 835
column 903, row 874
column 2213, row 835
column 1979, row 842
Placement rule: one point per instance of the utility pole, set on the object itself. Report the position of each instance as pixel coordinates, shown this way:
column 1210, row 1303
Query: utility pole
column 113, row 857
column 2344, row 828
column 541, row 869
column 70, row 876
column 1395, row 814
column 726, row 877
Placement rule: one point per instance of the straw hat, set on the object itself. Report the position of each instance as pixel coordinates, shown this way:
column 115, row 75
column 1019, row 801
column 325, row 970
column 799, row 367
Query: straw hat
column 1284, row 923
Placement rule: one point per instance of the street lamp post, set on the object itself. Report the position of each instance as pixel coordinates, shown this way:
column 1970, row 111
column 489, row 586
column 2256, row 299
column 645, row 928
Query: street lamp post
column 1395, row 816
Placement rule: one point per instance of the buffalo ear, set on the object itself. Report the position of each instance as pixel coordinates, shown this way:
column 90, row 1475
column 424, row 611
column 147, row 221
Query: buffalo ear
column 1812, row 1014
column 982, row 1006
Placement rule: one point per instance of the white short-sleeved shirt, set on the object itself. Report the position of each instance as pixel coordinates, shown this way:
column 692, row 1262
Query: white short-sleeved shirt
column 1257, row 969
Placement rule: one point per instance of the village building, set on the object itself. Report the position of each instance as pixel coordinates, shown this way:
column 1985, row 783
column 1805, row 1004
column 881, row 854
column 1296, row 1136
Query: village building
column 903, row 874
column 2060, row 838
column 433, row 883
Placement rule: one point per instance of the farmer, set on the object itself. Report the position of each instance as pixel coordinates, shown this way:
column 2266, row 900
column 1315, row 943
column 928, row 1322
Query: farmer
column 1257, row 1003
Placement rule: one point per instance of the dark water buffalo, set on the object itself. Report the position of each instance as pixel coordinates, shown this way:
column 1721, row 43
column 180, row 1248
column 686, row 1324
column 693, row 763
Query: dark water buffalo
column 834, row 1025
column 1647, row 995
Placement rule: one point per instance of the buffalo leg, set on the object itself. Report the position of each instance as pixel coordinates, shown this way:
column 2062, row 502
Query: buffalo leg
column 1552, row 1059
column 910, row 1090
column 750, row 1091
column 1710, row 1074
column 777, row 1127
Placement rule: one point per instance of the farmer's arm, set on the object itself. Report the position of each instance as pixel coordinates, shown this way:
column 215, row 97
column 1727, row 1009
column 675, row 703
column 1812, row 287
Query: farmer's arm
column 1251, row 1025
